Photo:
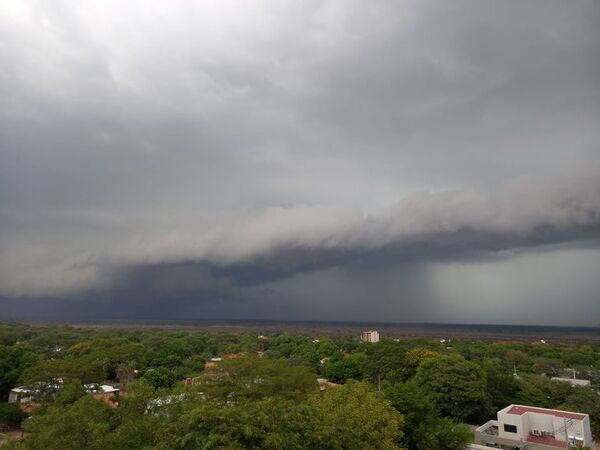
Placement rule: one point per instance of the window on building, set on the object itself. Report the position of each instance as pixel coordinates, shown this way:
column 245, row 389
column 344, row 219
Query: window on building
column 510, row 428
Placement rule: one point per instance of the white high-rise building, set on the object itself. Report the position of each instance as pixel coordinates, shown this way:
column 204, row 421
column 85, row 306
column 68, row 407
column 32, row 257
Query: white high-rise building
column 370, row 336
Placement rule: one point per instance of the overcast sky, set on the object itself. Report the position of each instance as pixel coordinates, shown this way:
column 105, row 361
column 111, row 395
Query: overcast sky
column 411, row 161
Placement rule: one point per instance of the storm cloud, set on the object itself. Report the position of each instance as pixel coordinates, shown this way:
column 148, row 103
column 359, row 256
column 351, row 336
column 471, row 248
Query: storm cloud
column 300, row 160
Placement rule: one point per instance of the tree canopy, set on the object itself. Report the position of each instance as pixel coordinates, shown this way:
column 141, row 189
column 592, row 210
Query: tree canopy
column 262, row 392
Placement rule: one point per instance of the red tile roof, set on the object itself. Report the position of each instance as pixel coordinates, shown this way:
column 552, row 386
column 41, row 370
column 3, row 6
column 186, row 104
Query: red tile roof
column 520, row 410
column 545, row 440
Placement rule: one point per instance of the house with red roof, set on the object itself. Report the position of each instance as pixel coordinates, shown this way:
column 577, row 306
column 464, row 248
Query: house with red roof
column 531, row 428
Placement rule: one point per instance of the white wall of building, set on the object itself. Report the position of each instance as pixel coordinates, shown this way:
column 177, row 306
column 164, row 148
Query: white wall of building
column 529, row 421
column 504, row 418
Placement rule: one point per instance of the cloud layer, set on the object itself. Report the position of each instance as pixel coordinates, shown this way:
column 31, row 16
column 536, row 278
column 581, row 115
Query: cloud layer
column 278, row 241
column 218, row 152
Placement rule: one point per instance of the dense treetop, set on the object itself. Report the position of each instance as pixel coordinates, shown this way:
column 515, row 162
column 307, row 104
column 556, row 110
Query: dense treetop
column 263, row 392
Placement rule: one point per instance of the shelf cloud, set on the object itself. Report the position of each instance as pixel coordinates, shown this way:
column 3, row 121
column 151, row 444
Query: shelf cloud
column 248, row 160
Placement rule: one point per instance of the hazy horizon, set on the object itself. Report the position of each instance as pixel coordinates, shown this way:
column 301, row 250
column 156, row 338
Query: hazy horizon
column 247, row 323
column 405, row 161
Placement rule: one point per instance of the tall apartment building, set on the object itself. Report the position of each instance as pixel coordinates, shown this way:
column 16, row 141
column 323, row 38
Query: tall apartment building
column 370, row 336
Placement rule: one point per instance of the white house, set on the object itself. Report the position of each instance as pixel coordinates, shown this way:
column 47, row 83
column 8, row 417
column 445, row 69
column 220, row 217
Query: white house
column 20, row 394
column 25, row 394
column 95, row 388
column 520, row 427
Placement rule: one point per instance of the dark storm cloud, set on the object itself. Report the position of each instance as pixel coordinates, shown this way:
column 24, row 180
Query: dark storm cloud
column 209, row 154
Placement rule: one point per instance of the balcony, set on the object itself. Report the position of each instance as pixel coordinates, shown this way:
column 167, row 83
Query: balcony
column 490, row 428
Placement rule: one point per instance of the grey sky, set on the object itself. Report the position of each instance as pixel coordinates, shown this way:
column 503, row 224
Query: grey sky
column 402, row 160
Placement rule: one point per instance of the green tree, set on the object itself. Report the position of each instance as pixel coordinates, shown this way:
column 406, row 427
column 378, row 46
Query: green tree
column 350, row 417
column 11, row 415
column 267, row 424
column 348, row 368
column 547, row 366
column 502, row 387
column 585, row 400
column 357, row 417
column 136, row 430
column 413, row 359
column 195, row 363
column 326, row 347
column 424, row 429
column 456, row 386
column 160, row 377
column 256, row 378
column 13, row 361
column 70, row 393
column 382, row 358
column 81, row 425
column 543, row 392
column 76, row 368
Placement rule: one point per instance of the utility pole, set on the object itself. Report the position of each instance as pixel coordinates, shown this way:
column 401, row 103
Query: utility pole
column 566, row 424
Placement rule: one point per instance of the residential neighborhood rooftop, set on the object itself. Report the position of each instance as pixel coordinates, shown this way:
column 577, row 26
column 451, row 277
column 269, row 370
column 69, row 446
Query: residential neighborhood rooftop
column 546, row 440
column 520, row 410
column 100, row 388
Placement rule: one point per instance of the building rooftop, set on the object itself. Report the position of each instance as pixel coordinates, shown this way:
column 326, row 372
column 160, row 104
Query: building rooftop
column 36, row 388
column 546, row 440
column 573, row 381
column 100, row 388
column 520, row 410
column 21, row 389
